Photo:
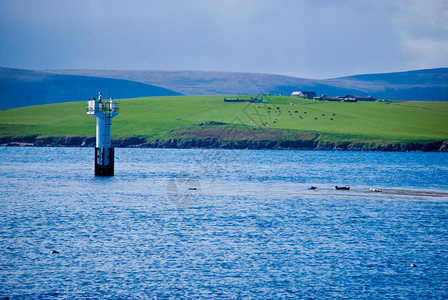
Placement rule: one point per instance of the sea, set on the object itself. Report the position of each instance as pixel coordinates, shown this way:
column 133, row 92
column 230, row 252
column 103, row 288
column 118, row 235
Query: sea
column 220, row 224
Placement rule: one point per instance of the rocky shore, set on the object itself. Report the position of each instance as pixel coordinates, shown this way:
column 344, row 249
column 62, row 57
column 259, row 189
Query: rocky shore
column 215, row 143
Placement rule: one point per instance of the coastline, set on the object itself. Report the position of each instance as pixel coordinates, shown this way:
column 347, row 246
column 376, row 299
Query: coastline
column 215, row 143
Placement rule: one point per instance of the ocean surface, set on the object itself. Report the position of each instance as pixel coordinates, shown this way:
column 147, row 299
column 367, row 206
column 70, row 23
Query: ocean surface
column 223, row 224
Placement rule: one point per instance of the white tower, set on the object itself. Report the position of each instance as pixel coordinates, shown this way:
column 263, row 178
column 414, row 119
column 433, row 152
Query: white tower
column 103, row 111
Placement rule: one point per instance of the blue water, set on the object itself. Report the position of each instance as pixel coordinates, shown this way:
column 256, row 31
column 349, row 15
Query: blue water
column 223, row 224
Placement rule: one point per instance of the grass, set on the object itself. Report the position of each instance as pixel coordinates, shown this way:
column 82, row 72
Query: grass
column 165, row 117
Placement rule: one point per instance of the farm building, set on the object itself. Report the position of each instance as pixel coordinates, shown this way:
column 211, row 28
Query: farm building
column 347, row 98
column 326, row 98
column 356, row 98
column 302, row 94
column 251, row 100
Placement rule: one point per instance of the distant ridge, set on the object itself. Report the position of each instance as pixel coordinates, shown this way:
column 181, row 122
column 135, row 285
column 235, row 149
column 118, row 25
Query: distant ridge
column 429, row 84
column 20, row 88
column 26, row 87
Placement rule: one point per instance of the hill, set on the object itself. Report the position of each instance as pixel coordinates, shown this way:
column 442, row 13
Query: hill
column 209, row 122
column 431, row 84
column 24, row 88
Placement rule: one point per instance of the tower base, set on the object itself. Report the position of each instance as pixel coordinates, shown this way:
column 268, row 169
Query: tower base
column 104, row 161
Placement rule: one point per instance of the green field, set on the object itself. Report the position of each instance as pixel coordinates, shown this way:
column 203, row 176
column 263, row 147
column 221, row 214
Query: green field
column 209, row 116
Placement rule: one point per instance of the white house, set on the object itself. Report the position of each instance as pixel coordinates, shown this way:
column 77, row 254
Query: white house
column 301, row 94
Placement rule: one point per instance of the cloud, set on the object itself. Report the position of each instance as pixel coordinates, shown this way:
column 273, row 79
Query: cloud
column 311, row 38
column 422, row 27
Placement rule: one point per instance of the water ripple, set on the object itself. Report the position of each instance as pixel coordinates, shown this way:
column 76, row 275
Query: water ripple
column 252, row 230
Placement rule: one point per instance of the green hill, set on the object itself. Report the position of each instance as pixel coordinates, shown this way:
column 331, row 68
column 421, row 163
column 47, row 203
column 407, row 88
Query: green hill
column 208, row 121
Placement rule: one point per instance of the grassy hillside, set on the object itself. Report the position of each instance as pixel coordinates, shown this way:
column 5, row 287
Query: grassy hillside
column 199, row 117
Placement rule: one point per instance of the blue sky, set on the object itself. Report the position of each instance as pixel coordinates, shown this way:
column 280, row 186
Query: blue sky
column 304, row 38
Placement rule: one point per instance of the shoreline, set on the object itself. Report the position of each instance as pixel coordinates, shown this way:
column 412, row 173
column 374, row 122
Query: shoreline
column 214, row 143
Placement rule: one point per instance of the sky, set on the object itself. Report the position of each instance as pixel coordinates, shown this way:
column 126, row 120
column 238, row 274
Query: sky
column 303, row 38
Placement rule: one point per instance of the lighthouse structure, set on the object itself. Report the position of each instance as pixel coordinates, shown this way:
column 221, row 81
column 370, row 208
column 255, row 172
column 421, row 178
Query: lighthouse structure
column 103, row 111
